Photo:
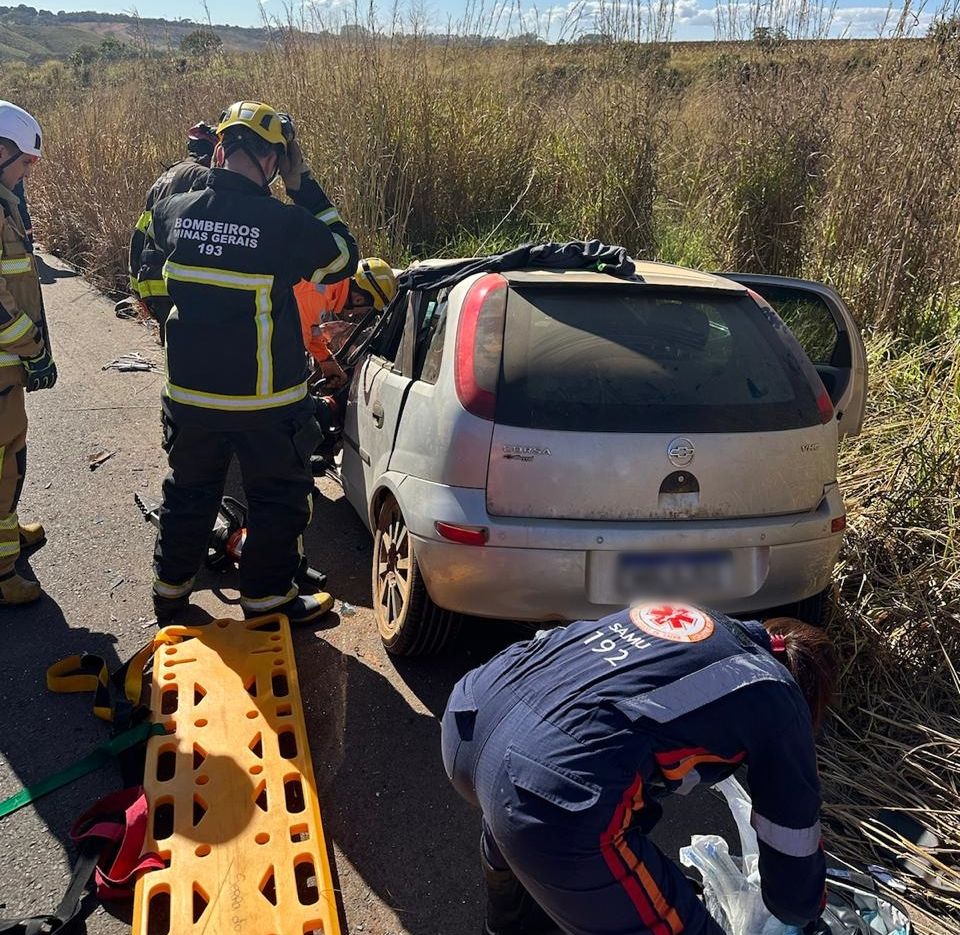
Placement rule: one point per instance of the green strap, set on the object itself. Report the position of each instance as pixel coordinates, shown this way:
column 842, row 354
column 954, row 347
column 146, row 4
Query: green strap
column 97, row 757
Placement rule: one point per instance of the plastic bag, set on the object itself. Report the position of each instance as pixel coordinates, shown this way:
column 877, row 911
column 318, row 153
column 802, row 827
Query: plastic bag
column 731, row 888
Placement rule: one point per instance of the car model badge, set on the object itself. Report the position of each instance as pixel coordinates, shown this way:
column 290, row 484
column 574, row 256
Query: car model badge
column 680, row 452
column 523, row 452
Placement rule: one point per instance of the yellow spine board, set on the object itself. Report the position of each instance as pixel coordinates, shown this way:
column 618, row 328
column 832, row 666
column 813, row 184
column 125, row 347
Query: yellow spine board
column 233, row 801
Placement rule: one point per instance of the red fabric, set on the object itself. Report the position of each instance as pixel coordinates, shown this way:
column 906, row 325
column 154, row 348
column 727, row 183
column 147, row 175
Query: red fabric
column 778, row 644
column 120, row 821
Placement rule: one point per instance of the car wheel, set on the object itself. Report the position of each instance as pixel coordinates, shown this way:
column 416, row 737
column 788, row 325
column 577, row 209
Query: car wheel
column 409, row 622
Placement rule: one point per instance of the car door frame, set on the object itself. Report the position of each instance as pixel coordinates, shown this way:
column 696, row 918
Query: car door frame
column 375, row 403
column 851, row 405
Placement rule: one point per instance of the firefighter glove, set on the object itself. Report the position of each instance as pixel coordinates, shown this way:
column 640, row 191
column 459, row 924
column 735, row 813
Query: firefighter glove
column 41, row 371
column 292, row 166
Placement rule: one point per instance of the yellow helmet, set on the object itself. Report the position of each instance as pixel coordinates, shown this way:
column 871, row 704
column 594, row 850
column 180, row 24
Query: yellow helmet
column 261, row 118
column 376, row 278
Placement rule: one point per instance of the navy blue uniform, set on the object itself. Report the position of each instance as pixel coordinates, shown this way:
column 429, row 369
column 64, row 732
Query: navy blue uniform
column 568, row 742
column 237, row 373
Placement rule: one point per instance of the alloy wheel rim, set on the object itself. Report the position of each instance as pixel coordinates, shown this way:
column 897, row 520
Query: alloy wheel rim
column 393, row 571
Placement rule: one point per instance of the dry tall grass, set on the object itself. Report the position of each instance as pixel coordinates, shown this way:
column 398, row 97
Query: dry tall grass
column 895, row 742
column 839, row 161
column 833, row 160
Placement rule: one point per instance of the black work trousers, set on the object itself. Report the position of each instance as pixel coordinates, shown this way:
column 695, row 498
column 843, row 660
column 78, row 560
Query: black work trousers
column 278, row 483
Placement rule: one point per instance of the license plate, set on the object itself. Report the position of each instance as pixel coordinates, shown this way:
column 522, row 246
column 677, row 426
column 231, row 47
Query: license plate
column 674, row 574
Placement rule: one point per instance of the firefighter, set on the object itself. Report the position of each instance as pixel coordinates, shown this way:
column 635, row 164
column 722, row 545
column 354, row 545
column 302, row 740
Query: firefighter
column 373, row 287
column 25, row 358
column 569, row 741
column 146, row 279
column 236, row 370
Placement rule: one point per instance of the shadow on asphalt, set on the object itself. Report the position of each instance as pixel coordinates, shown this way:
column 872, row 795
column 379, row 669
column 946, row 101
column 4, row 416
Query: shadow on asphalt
column 386, row 800
column 41, row 734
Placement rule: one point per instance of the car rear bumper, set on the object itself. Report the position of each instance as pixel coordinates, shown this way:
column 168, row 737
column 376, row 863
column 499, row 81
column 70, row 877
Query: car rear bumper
column 541, row 570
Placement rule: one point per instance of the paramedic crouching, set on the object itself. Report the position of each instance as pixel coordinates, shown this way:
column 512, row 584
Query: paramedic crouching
column 569, row 741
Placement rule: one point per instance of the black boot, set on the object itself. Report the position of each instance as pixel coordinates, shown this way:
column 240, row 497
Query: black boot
column 511, row 910
column 168, row 608
column 301, row 609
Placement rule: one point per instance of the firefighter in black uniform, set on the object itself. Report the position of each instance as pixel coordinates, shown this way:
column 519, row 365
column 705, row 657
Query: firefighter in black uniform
column 569, row 742
column 236, row 368
column 146, row 280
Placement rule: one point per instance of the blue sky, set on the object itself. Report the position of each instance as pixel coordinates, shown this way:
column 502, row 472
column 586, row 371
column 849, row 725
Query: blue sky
column 693, row 19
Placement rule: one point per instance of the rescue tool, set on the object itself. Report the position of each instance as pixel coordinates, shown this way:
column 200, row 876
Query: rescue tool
column 227, row 537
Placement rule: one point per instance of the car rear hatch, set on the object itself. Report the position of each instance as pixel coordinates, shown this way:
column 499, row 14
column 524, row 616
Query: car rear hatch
column 638, row 401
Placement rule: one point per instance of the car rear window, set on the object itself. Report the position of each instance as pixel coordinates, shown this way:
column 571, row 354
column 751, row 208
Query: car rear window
column 596, row 359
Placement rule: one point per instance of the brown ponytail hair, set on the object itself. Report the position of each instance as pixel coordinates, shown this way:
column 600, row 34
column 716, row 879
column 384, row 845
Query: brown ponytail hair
column 808, row 654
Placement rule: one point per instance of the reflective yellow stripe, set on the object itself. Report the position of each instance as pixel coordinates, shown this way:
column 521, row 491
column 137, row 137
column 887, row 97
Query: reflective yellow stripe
column 11, row 521
column 134, row 285
column 211, row 276
column 12, row 267
column 180, row 394
column 264, row 343
column 261, row 286
column 10, row 549
column 267, row 603
column 330, row 216
column 9, row 360
column 20, row 328
column 172, row 590
column 149, row 288
column 337, row 264
column 143, row 222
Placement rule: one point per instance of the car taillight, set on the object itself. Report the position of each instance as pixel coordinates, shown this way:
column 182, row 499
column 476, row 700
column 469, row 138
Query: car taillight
column 480, row 344
column 465, row 535
column 838, row 523
column 824, row 403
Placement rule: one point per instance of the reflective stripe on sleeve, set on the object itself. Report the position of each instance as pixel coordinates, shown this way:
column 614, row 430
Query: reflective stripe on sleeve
column 337, row 264
column 20, row 328
column 10, row 360
column 330, row 216
column 144, row 221
column 794, row 842
column 11, row 521
column 21, row 264
column 151, row 288
column 188, row 397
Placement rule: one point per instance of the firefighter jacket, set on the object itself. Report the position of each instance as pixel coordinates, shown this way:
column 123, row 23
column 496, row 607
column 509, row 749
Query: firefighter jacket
column 21, row 308
column 652, row 701
column 318, row 304
column 146, row 280
column 232, row 255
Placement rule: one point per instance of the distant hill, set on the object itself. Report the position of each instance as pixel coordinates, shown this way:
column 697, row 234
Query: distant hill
column 33, row 35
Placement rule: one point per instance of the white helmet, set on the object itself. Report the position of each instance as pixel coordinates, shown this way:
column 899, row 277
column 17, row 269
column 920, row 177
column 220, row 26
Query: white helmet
column 21, row 128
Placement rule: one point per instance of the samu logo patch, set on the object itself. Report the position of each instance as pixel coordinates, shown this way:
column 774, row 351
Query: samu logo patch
column 675, row 622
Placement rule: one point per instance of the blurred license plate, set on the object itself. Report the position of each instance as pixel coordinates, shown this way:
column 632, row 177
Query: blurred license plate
column 674, row 574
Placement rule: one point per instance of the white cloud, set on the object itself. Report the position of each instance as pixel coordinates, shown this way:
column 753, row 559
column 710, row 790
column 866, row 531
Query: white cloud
column 877, row 20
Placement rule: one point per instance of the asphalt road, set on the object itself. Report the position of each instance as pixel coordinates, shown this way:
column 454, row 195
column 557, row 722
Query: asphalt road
column 405, row 844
